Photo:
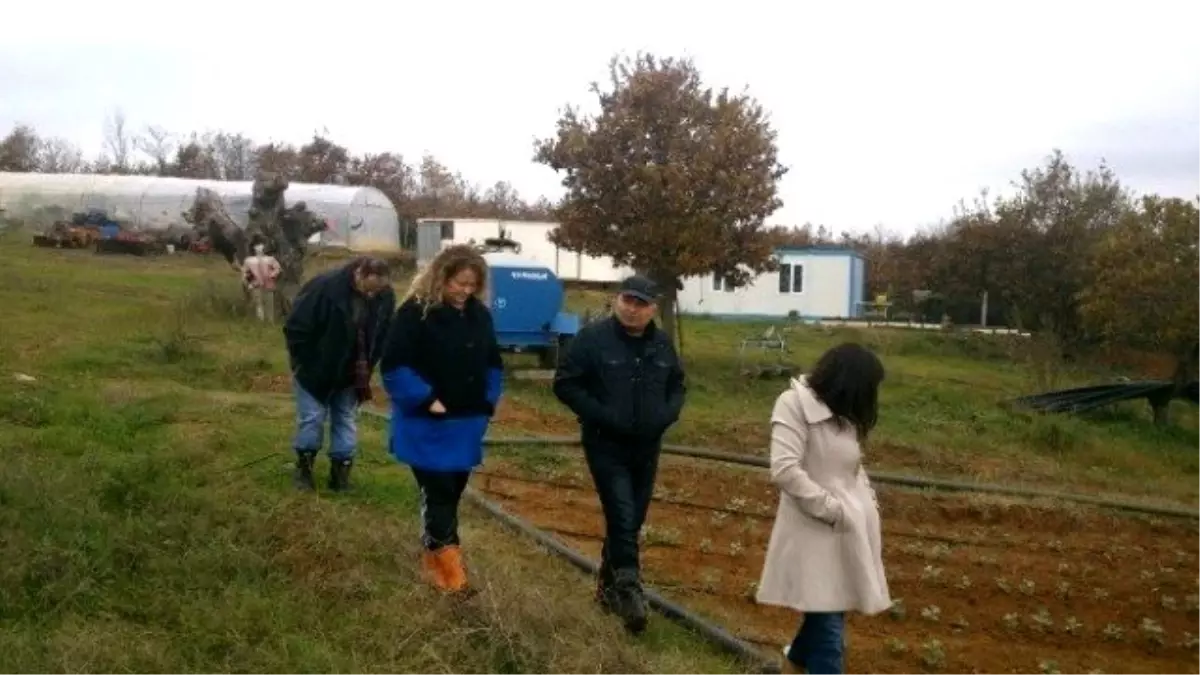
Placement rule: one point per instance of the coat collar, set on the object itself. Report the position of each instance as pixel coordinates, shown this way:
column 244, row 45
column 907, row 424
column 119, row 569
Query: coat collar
column 814, row 410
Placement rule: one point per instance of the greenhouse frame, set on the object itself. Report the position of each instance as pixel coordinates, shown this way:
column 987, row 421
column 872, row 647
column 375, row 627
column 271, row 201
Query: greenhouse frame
column 360, row 218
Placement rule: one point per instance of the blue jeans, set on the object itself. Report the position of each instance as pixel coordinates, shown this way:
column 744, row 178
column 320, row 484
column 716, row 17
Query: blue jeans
column 818, row 645
column 310, row 422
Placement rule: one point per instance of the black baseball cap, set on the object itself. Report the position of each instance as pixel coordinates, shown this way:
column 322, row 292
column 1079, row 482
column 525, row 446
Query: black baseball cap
column 639, row 287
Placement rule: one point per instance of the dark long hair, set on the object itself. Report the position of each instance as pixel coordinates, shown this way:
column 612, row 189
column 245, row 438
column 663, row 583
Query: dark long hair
column 846, row 379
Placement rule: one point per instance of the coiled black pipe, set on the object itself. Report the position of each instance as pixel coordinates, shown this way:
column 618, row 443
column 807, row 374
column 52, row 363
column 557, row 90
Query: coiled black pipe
column 883, row 477
column 715, row 634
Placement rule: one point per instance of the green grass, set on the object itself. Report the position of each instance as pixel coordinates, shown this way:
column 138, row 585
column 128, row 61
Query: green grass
column 147, row 521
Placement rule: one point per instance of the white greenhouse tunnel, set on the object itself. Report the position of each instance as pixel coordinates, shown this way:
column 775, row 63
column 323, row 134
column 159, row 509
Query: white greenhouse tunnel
column 360, row 218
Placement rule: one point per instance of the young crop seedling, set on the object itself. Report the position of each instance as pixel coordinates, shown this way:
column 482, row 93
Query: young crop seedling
column 939, row 552
column 1168, row 603
column 1153, row 631
column 1072, row 626
column 1055, row 545
column 1189, row 642
column 931, row 574
column 1113, row 633
column 736, row 549
column 710, row 579
column 706, row 546
column 963, row 583
column 1192, row 603
column 1027, row 586
column 1063, row 591
column 1003, row 584
column 751, row 591
column 959, row 624
column 1048, row 667
column 1099, row 594
column 1041, row 621
column 898, row 611
column 932, row 613
column 932, row 654
column 1011, row 621
column 653, row 535
column 896, row 646
column 718, row 517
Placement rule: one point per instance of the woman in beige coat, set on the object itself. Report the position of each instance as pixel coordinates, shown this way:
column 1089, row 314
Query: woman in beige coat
column 824, row 557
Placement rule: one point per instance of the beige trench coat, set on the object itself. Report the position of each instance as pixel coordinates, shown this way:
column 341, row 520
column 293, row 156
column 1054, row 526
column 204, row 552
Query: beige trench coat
column 825, row 553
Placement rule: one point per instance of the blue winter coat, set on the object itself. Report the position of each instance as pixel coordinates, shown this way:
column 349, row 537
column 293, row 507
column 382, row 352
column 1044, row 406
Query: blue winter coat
column 446, row 355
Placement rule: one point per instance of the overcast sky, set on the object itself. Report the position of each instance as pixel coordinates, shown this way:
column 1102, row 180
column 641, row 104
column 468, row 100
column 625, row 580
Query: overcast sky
column 887, row 113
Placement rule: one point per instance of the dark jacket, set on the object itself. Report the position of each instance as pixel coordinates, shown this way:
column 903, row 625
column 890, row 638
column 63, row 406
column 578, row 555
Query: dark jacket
column 321, row 335
column 445, row 355
column 624, row 389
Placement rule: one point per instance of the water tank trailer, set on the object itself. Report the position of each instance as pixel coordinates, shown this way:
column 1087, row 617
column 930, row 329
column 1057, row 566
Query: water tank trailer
column 526, row 299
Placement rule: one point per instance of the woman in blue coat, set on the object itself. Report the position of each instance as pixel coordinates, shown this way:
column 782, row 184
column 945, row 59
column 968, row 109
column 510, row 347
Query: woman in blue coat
column 442, row 369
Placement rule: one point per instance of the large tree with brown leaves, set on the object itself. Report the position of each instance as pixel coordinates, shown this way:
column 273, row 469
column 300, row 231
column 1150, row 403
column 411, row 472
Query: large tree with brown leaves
column 670, row 178
column 1145, row 288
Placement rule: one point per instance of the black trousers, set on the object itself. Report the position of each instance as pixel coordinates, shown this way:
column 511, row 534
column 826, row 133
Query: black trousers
column 440, row 493
column 624, row 479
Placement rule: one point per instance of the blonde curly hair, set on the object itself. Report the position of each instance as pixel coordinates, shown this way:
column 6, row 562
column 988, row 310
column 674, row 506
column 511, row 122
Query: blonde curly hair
column 427, row 286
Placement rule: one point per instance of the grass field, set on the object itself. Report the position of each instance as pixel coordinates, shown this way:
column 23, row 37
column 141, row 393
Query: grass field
column 148, row 522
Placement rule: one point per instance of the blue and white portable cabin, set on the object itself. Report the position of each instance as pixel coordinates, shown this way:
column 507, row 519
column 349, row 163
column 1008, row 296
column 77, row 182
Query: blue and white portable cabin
column 812, row 283
column 526, row 300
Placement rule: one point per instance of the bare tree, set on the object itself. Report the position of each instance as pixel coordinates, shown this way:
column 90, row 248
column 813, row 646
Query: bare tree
column 159, row 144
column 58, row 155
column 118, row 143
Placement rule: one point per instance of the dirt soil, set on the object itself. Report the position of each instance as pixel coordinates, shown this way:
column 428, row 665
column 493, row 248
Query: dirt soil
column 981, row 584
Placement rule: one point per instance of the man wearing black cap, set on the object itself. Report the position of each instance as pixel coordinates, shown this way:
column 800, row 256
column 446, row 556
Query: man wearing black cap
column 622, row 378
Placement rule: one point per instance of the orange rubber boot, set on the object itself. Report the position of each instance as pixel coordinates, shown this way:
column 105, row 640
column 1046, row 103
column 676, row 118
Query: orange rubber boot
column 434, row 570
column 453, row 568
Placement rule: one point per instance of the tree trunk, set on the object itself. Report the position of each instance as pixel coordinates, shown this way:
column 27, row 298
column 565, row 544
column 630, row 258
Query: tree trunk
column 679, row 329
column 666, row 310
column 1185, row 371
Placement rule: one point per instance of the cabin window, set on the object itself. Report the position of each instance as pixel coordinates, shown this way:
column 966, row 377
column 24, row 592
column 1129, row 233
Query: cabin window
column 791, row 278
column 721, row 283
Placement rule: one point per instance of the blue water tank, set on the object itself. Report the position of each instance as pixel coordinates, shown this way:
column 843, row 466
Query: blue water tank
column 526, row 300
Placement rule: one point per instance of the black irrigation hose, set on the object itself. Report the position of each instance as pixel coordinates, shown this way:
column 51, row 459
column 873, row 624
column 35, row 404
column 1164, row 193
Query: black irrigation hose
column 671, row 610
column 889, row 478
column 886, row 478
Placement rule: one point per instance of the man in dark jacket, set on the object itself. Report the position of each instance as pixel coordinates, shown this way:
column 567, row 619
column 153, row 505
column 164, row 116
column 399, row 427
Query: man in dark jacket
column 622, row 377
column 335, row 335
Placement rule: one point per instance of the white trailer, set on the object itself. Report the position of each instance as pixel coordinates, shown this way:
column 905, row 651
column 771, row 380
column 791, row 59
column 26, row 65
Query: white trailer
column 534, row 238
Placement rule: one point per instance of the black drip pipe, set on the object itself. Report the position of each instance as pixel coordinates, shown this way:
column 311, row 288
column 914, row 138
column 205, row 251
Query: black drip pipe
column 715, row 634
column 882, row 477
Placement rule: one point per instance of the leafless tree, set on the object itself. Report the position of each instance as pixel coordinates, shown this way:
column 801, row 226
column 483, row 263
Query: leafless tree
column 159, row 144
column 58, row 155
column 118, row 143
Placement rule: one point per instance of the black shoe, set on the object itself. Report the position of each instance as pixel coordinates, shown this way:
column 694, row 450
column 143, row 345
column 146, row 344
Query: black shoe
column 302, row 478
column 339, row 474
column 628, row 602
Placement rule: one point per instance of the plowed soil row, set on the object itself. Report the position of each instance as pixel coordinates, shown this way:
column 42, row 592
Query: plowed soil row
column 981, row 584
